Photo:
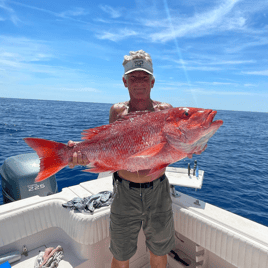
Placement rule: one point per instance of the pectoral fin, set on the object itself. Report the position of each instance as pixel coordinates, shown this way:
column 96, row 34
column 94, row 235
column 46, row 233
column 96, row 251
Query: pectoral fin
column 100, row 167
column 152, row 151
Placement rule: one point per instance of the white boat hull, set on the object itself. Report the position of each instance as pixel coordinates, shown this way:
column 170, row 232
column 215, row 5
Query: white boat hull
column 206, row 236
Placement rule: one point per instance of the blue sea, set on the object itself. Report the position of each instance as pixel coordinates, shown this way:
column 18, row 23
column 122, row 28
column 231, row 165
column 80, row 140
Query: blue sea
column 235, row 161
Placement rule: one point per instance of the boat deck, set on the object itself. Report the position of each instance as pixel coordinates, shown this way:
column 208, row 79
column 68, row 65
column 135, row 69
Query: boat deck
column 206, row 236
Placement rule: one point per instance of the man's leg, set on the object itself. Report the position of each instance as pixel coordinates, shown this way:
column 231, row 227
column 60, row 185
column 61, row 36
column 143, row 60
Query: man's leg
column 158, row 225
column 119, row 264
column 157, row 261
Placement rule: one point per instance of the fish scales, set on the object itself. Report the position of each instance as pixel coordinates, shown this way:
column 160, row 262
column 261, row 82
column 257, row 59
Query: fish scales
column 123, row 140
column 141, row 140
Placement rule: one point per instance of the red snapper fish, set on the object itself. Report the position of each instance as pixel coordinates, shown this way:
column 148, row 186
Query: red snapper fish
column 141, row 140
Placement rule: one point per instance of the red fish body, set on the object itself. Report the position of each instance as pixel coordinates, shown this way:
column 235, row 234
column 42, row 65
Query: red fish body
column 141, row 140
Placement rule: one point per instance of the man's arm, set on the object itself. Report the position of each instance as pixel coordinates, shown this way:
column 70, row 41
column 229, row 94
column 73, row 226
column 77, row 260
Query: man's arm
column 162, row 106
column 116, row 110
column 113, row 114
column 166, row 106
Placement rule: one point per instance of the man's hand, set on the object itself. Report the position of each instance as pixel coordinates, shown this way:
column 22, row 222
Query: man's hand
column 78, row 158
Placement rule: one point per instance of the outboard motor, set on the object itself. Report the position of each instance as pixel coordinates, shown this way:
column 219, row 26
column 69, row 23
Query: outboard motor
column 18, row 174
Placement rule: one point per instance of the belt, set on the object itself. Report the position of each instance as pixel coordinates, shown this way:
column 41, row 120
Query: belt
column 139, row 185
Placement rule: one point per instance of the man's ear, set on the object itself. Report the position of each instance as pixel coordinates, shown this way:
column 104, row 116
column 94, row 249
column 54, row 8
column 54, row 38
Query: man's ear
column 152, row 83
column 124, row 81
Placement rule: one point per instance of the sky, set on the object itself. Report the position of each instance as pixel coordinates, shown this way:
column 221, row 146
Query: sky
column 206, row 54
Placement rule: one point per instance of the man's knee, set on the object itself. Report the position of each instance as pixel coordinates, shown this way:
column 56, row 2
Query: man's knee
column 119, row 264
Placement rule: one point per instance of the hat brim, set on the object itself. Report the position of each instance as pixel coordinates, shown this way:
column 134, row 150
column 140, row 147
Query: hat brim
column 138, row 69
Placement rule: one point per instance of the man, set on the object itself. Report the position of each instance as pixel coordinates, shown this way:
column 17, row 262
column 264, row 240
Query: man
column 137, row 199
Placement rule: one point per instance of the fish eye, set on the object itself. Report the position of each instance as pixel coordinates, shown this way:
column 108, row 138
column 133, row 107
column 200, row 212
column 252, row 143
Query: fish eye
column 186, row 113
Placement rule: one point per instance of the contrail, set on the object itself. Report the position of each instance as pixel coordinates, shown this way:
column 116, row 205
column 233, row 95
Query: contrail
column 179, row 51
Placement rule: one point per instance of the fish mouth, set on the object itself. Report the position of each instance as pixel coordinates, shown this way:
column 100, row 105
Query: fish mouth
column 210, row 118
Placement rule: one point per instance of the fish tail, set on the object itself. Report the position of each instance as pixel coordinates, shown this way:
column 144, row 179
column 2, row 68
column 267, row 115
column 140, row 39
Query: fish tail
column 53, row 156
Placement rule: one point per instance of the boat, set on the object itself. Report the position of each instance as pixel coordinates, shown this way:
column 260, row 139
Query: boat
column 206, row 236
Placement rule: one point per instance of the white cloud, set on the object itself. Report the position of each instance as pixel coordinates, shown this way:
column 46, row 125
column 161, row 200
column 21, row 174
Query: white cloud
column 217, row 83
column 69, row 14
column 10, row 63
column 201, row 24
column 200, row 68
column 114, row 13
column 234, row 23
column 160, row 23
column 32, row 65
column 170, row 66
column 74, row 13
column 261, row 41
column 10, row 13
column 168, row 88
column 83, row 89
column 264, row 72
column 213, row 92
column 203, row 62
column 171, row 84
column 232, row 62
column 121, row 22
column 250, row 85
column 16, row 50
column 120, row 35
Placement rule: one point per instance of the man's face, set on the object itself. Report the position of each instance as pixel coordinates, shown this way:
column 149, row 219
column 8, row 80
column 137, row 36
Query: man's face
column 139, row 84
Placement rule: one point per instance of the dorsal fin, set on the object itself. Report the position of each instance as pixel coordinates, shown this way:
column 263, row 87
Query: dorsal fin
column 90, row 133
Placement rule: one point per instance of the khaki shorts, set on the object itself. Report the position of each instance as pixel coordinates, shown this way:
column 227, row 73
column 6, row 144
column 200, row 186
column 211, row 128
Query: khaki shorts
column 149, row 207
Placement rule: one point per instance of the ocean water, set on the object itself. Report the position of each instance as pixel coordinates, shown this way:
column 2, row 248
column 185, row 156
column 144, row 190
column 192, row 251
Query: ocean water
column 235, row 161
